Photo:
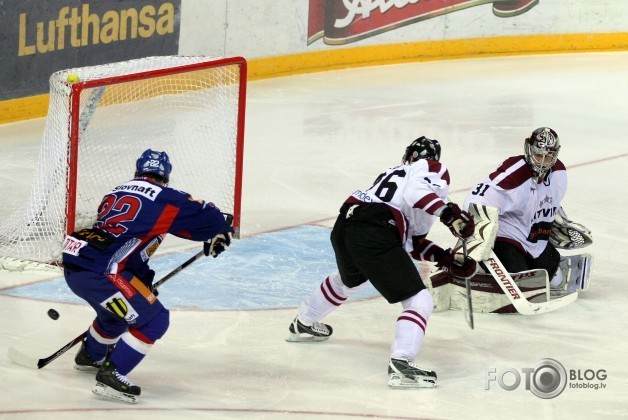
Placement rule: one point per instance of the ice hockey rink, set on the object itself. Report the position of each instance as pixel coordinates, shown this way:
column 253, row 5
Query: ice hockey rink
column 311, row 140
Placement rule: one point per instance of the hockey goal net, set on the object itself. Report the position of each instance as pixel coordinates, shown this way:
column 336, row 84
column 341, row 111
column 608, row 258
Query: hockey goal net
column 190, row 107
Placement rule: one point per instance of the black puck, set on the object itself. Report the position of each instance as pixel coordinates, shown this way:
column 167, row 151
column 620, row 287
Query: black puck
column 53, row 314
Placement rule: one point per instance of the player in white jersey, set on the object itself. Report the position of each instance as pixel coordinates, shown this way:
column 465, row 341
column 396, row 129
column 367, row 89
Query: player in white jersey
column 527, row 190
column 376, row 232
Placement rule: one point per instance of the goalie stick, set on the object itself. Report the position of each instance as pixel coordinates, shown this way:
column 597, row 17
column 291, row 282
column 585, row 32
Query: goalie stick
column 22, row 359
column 515, row 295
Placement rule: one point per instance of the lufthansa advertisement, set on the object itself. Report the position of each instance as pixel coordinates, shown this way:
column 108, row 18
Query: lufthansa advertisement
column 40, row 37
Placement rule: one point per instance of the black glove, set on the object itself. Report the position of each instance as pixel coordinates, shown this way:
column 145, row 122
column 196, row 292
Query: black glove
column 459, row 222
column 447, row 262
column 218, row 244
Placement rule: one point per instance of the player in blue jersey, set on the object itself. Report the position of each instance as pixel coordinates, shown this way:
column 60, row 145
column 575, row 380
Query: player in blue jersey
column 107, row 266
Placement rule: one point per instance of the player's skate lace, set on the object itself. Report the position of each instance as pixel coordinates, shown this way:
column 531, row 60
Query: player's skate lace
column 109, row 376
column 123, row 379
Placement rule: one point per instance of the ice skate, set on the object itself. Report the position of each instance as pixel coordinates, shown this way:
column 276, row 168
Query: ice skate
column 317, row 331
column 403, row 374
column 115, row 386
column 84, row 363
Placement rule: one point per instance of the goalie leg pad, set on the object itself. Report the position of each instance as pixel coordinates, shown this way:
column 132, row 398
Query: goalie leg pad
column 488, row 297
column 585, row 270
column 576, row 270
column 580, row 271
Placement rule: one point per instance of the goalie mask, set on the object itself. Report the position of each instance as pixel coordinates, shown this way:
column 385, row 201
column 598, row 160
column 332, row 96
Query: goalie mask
column 422, row 148
column 541, row 150
column 154, row 163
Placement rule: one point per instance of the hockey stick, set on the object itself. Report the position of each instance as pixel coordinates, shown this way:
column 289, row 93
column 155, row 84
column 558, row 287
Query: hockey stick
column 30, row 362
column 22, row 359
column 486, row 222
column 515, row 295
column 174, row 272
column 468, row 312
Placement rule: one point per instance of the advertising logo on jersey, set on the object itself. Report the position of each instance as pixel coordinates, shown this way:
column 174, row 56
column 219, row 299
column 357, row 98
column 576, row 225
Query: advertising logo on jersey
column 343, row 22
column 121, row 307
column 72, row 245
column 145, row 189
column 546, row 379
column 540, row 232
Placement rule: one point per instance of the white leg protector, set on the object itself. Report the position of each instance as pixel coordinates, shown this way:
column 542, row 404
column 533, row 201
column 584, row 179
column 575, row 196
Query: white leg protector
column 330, row 295
column 411, row 325
column 576, row 270
column 558, row 279
column 579, row 271
column 584, row 265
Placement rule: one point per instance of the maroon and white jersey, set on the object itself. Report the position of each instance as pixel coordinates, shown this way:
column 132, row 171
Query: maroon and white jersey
column 526, row 207
column 413, row 192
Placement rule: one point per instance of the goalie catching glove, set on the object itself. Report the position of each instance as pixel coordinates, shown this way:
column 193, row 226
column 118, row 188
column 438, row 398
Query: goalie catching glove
column 454, row 264
column 567, row 234
column 459, row 222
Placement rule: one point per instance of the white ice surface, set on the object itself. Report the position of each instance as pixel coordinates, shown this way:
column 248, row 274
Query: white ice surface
column 310, row 141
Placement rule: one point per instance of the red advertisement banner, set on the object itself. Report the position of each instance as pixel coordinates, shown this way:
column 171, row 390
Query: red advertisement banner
column 344, row 21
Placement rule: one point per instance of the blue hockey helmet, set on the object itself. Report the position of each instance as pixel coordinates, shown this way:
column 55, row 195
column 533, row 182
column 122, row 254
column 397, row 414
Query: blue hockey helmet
column 154, row 163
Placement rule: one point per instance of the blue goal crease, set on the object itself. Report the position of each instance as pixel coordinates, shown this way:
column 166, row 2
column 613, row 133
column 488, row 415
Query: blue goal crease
column 269, row 271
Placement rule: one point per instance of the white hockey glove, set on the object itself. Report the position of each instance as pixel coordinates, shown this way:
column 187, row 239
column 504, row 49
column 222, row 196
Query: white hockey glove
column 218, row 244
column 567, row 234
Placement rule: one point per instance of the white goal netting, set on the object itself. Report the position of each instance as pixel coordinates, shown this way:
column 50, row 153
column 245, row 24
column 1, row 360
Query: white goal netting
column 190, row 107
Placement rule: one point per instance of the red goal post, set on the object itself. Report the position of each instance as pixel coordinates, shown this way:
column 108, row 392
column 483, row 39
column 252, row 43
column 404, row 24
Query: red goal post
column 97, row 126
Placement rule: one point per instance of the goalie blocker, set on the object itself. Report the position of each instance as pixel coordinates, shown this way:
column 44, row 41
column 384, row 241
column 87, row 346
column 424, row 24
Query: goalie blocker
column 528, row 292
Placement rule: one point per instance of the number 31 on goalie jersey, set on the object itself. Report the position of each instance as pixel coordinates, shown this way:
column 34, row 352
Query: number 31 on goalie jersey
column 480, row 189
